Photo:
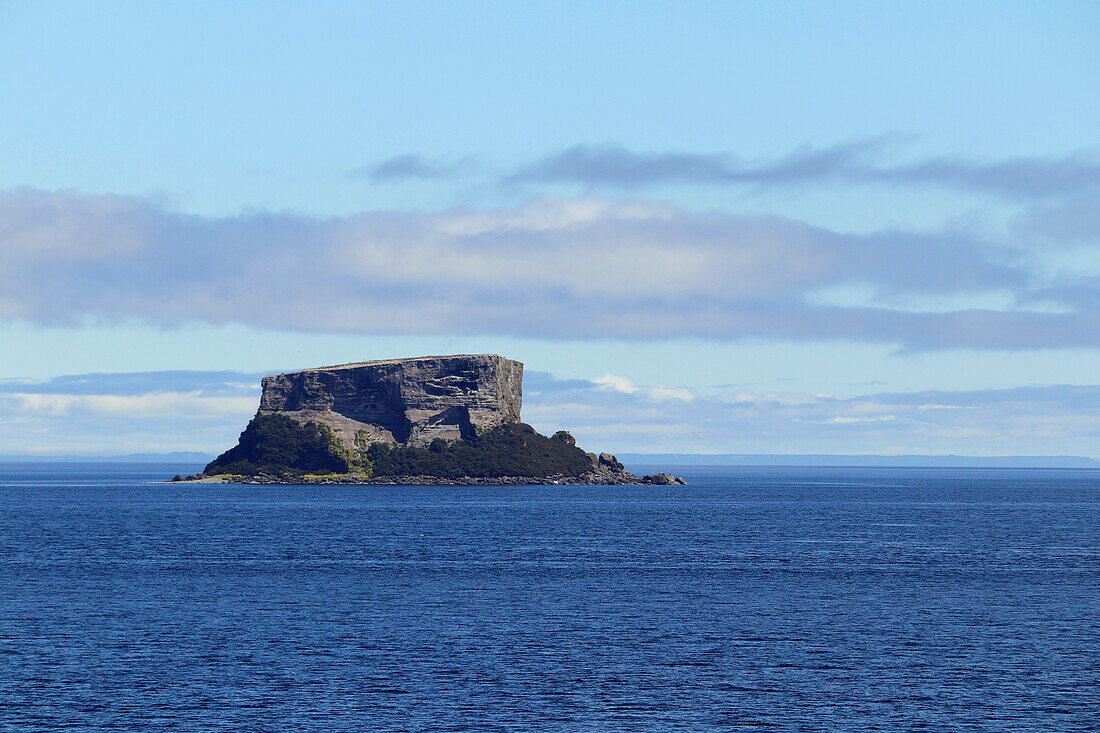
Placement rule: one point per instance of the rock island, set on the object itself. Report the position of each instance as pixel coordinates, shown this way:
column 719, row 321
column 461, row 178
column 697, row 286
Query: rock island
column 424, row 420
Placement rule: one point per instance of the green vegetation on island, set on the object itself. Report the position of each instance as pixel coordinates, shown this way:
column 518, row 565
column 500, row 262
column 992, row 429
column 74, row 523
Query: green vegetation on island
column 280, row 446
column 277, row 445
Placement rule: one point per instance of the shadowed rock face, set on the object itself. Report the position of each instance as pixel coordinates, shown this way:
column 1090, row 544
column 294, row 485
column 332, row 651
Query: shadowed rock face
column 402, row 401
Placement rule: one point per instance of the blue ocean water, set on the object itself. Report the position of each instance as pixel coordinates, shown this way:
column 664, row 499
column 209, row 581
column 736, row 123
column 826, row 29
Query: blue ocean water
column 829, row 599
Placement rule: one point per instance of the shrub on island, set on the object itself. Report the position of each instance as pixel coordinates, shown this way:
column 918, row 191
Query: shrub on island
column 511, row 449
column 280, row 446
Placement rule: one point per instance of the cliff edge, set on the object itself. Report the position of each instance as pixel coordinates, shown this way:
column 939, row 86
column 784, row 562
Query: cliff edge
column 401, row 401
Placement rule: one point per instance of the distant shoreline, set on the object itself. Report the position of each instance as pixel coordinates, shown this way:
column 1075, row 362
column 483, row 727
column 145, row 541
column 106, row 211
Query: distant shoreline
column 856, row 461
column 806, row 460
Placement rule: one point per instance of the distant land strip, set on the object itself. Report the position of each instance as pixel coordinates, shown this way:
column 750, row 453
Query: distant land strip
column 871, row 460
column 177, row 457
column 679, row 459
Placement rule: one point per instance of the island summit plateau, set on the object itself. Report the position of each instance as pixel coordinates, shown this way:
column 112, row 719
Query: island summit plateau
column 424, row 420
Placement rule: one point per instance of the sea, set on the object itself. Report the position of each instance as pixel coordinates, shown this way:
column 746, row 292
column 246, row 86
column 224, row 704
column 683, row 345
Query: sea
column 763, row 599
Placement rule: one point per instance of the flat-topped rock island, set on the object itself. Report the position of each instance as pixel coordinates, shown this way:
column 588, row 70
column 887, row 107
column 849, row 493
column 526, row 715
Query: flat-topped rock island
column 424, row 420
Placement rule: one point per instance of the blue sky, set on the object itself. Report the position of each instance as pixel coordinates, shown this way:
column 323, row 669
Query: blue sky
column 722, row 227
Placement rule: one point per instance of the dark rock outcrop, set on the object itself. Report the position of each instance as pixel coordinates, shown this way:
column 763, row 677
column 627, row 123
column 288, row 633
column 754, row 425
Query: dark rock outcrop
column 663, row 479
column 610, row 462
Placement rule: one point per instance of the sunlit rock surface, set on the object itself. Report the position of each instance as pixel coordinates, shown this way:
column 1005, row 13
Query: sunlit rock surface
column 402, row 401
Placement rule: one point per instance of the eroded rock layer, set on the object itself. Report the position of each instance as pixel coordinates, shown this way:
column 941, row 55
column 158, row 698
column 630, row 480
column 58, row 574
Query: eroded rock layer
column 402, row 401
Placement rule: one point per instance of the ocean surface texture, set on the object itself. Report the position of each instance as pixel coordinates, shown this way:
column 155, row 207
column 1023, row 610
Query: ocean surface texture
column 829, row 599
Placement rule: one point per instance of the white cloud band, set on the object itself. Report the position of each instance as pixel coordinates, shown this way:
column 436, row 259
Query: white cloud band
column 578, row 268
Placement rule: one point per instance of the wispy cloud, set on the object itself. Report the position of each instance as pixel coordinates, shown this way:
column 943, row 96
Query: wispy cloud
column 552, row 268
column 133, row 395
column 201, row 384
column 1020, row 177
column 863, row 161
column 1054, row 420
column 112, row 414
column 658, row 393
column 618, row 166
column 1072, row 222
column 409, row 166
column 121, row 413
column 158, row 404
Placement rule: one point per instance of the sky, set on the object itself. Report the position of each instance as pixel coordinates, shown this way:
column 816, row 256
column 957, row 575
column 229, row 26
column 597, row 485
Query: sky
column 837, row 227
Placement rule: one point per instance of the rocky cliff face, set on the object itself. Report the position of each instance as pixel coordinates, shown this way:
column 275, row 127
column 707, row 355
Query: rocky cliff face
column 402, row 401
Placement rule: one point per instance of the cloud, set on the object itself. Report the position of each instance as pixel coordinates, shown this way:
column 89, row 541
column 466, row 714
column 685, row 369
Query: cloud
column 658, row 393
column 1074, row 221
column 122, row 413
column 159, row 404
column 408, row 166
column 1020, row 177
column 202, row 384
column 112, row 414
column 1053, row 420
column 134, row 395
column 615, row 165
column 553, row 268
column 852, row 162
column 615, row 384
column 662, row 393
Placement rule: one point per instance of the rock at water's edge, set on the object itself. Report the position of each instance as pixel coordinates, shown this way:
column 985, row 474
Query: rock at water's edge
column 663, row 479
